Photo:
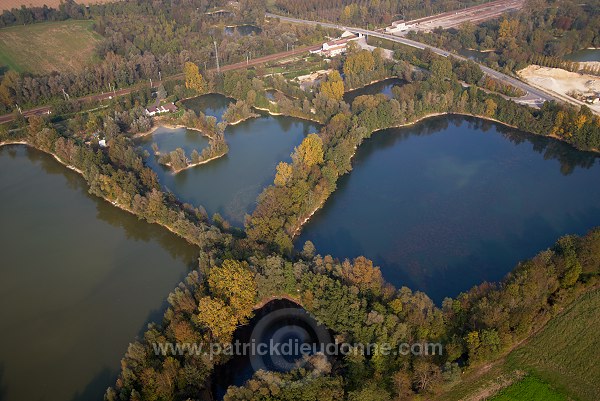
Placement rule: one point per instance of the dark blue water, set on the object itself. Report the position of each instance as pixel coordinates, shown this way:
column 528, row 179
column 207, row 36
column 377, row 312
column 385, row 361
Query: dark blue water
column 454, row 201
column 384, row 87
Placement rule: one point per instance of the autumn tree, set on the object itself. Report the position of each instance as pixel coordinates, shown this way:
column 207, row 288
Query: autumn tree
column 363, row 274
column 218, row 317
column 310, row 151
column 490, row 108
column 333, row 86
column 234, row 284
column 283, row 175
column 360, row 61
column 193, row 78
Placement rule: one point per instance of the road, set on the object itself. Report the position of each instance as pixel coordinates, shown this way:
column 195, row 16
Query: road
column 109, row 95
column 475, row 15
column 534, row 96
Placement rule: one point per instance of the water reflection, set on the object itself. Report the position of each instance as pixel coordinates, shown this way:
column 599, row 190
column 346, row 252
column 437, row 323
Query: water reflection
column 230, row 185
column 73, row 261
column 383, row 87
column 450, row 202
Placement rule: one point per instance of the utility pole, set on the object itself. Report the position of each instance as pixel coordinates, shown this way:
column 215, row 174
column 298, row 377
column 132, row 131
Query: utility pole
column 217, row 56
column 150, row 83
column 247, row 58
column 159, row 77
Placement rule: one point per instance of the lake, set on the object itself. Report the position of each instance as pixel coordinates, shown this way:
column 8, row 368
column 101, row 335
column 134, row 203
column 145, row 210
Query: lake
column 229, row 185
column 584, row 55
column 453, row 201
column 79, row 280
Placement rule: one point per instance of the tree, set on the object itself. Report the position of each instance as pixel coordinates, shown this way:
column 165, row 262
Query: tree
column 234, row 284
column 490, row 108
column 310, row 151
column 333, row 87
column 193, row 78
column 283, row 175
column 441, row 69
column 219, row 319
column 161, row 93
column 363, row 274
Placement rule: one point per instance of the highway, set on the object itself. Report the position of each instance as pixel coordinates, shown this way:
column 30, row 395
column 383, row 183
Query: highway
column 534, row 96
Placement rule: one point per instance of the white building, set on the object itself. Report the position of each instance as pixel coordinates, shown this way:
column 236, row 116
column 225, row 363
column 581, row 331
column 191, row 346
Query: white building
column 398, row 26
column 337, row 46
column 166, row 108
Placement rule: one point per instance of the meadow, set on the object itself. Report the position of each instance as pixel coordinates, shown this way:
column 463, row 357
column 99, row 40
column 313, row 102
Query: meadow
column 557, row 364
column 531, row 389
column 49, row 46
column 565, row 352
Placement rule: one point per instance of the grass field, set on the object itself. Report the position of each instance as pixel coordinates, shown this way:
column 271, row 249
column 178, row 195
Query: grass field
column 529, row 389
column 9, row 4
column 561, row 362
column 49, row 46
column 565, row 352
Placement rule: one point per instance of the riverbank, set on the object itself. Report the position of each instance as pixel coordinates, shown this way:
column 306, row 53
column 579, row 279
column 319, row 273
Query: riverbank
column 241, row 120
column 302, row 222
column 80, row 172
column 179, row 170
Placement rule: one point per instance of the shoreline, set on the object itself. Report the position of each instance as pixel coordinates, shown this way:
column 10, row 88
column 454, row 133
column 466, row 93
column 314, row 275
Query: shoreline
column 320, row 205
column 305, row 220
column 194, row 164
column 241, row 120
column 114, row 203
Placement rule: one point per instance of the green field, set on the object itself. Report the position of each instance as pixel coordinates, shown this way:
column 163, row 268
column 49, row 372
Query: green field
column 561, row 362
column 49, row 46
column 529, row 389
column 565, row 352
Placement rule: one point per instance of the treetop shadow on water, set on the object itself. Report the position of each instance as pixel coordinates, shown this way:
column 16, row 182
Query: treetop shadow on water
column 454, row 201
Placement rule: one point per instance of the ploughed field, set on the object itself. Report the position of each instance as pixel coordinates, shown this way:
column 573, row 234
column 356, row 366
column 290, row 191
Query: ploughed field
column 10, row 4
column 48, row 46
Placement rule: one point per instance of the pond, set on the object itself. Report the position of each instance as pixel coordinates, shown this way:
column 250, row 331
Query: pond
column 243, row 30
column 453, row 201
column 230, row 185
column 79, row 280
column 475, row 55
column 385, row 86
column 584, row 55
